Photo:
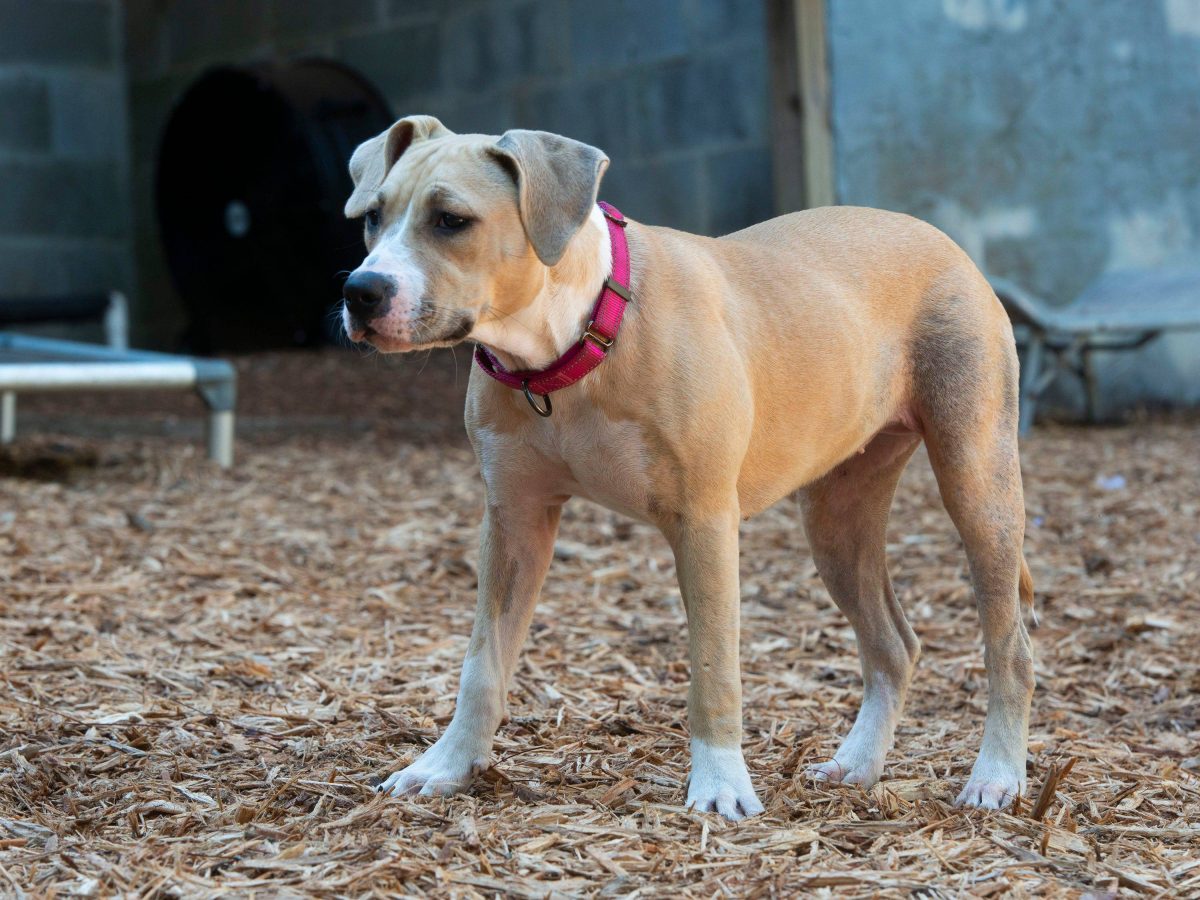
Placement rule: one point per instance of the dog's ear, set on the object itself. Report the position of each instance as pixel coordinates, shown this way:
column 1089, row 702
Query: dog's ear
column 374, row 158
column 366, row 169
column 407, row 132
column 557, row 181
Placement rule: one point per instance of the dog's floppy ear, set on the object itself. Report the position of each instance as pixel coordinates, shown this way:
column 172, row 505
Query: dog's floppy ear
column 407, row 132
column 374, row 158
column 557, row 180
column 366, row 169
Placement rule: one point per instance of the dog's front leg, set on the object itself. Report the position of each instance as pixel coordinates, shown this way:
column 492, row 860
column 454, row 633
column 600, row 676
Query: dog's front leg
column 706, row 557
column 516, row 544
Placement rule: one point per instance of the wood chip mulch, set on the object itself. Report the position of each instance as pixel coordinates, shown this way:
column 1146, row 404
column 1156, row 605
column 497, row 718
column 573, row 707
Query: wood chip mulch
column 206, row 674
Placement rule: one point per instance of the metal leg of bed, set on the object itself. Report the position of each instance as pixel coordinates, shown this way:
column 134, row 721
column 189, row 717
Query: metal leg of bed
column 1031, row 380
column 8, row 417
column 216, row 384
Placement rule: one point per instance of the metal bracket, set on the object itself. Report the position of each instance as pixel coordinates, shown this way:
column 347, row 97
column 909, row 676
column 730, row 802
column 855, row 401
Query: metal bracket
column 217, row 385
column 604, row 343
column 619, row 289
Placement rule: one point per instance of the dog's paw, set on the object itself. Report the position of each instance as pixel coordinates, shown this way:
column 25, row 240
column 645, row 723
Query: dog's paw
column 991, row 786
column 720, row 782
column 445, row 768
column 837, row 772
column 857, row 761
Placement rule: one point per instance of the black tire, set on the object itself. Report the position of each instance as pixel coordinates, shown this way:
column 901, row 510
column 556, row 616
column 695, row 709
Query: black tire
column 250, row 186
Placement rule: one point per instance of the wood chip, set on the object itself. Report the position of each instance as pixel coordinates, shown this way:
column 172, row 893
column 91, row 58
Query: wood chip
column 206, row 673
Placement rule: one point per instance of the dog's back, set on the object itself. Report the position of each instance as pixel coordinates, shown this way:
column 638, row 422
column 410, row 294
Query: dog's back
column 834, row 312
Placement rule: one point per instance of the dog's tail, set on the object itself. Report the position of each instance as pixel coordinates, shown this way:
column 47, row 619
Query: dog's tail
column 1025, row 588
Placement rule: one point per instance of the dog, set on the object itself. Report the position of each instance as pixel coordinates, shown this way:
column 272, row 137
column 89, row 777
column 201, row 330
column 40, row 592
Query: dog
column 810, row 355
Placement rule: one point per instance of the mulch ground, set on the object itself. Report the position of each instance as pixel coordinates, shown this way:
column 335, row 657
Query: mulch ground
column 206, row 673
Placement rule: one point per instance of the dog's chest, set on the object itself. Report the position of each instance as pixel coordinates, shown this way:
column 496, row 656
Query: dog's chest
column 584, row 455
column 608, row 464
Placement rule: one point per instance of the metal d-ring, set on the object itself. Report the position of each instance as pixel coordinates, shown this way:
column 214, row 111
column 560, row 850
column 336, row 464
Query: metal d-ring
column 544, row 412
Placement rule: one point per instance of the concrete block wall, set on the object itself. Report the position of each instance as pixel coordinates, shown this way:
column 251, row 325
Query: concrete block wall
column 64, row 203
column 1053, row 140
column 675, row 91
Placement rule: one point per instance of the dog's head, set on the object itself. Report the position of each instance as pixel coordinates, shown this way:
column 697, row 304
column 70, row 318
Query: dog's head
column 459, row 227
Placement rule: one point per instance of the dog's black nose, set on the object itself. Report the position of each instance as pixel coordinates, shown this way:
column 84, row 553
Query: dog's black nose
column 367, row 294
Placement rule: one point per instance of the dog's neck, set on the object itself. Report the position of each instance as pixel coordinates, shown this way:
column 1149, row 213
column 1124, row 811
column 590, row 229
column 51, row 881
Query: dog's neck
column 537, row 335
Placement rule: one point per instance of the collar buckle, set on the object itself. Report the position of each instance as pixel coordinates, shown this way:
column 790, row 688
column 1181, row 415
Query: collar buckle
column 590, row 333
column 616, row 219
column 619, row 289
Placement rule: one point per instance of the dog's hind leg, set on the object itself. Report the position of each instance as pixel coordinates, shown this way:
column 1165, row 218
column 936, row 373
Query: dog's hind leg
column 970, row 419
column 845, row 518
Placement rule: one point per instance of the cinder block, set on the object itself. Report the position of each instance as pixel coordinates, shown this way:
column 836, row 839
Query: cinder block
column 739, row 189
column 157, row 312
column 215, row 31
column 716, row 23
column 88, row 116
column 620, row 32
column 146, row 30
column 596, row 112
column 49, row 268
column 484, row 113
column 408, row 10
column 493, row 45
column 61, row 198
column 24, row 114
column 57, row 32
column 659, row 192
column 402, row 62
column 701, row 102
column 320, row 18
column 150, row 105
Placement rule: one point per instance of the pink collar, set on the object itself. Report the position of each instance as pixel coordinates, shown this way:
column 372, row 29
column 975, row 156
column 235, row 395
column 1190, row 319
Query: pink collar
column 598, row 337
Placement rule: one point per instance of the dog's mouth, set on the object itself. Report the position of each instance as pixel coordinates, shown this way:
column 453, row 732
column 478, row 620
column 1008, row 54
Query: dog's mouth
column 359, row 333
column 425, row 336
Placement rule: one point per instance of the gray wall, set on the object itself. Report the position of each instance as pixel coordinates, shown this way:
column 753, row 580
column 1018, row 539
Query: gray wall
column 64, row 207
column 674, row 90
column 1054, row 139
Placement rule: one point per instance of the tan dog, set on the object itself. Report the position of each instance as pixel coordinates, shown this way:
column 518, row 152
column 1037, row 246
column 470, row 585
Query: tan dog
column 809, row 353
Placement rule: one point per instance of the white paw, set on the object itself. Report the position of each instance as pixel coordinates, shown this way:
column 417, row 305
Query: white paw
column 859, row 760
column 847, row 772
column 445, row 768
column 992, row 785
column 720, row 782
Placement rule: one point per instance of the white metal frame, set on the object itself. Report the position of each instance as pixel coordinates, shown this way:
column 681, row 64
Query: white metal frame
column 116, row 321
column 42, row 364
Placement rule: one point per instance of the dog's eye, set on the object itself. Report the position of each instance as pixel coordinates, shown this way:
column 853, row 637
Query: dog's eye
column 450, row 222
column 372, row 218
